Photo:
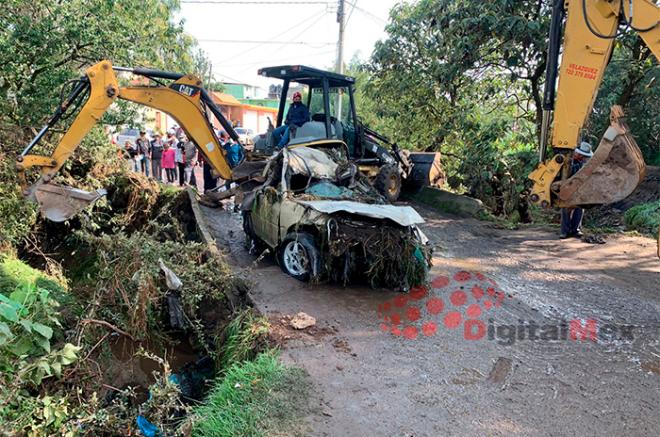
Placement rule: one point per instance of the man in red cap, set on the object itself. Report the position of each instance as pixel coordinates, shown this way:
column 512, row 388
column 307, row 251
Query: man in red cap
column 297, row 115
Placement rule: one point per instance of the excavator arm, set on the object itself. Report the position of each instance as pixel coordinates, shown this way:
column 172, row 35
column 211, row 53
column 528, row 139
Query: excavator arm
column 184, row 99
column 590, row 29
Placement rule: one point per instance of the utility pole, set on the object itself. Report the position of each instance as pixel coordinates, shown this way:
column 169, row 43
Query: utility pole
column 339, row 68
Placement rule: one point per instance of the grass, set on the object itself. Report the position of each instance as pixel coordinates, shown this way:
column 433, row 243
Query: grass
column 15, row 273
column 254, row 398
column 644, row 218
column 242, row 338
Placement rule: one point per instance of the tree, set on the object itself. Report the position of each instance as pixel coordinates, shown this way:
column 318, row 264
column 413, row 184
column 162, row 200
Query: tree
column 466, row 79
column 444, row 58
column 44, row 43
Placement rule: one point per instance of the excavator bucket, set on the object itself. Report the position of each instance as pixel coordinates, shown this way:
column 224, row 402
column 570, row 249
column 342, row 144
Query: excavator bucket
column 59, row 203
column 611, row 175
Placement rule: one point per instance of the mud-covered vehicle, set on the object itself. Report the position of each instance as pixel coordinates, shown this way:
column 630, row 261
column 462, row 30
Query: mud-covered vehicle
column 324, row 220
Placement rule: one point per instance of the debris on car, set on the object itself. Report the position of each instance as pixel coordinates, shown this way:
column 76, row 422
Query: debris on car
column 324, row 220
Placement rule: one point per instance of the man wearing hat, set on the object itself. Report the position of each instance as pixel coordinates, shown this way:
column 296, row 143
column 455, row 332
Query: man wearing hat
column 156, row 157
column 297, row 115
column 144, row 149
column 571, row 218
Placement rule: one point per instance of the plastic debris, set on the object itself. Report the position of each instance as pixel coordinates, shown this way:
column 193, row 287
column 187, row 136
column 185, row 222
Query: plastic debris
column 171, row 279
column 147, row 428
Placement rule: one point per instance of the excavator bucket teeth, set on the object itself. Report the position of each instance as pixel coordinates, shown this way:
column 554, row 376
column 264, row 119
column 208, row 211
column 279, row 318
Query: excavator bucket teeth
column 611, row 175
column 58, row 203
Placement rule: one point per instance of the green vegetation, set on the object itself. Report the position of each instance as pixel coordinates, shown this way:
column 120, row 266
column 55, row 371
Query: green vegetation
column 254, row 398
column 44, row 43
column 243, row 337
column 466, row 79
column 31, row 347
column 644, row 218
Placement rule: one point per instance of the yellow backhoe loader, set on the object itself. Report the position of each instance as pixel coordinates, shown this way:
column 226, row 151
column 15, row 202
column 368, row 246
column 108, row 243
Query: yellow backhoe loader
column 184, row 99
column 617, row 167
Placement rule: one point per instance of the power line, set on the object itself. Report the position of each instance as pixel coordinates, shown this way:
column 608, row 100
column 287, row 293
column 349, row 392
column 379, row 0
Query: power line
column 374, row 17
column 278, row 60
column 350, row 14
column 239, row 41
column 251, row 49
column 309, row 26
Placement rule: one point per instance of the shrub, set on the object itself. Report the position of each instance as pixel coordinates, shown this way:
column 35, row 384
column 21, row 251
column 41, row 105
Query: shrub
column 644, row 217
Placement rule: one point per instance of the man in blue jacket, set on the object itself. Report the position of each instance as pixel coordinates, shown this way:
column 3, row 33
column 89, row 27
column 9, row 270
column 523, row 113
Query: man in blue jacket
column 297, row 115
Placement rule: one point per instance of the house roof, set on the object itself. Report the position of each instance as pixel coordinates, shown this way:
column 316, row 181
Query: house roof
column 225, row 99
column 260, row 108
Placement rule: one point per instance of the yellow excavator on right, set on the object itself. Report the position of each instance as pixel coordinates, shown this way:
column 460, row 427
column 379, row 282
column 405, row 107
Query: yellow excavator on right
column 590, row 28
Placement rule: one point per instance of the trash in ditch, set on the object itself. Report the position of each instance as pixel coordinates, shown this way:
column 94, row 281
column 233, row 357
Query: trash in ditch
column 171, row 279
column 147, row 428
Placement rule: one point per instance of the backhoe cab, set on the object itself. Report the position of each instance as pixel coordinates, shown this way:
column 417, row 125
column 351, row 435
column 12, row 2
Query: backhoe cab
column 331, row 102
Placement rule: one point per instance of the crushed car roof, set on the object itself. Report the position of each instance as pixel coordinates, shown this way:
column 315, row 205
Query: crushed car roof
column 403, row 215
column 312, row 162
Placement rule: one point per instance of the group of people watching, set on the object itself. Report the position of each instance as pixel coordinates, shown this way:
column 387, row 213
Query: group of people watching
column 175, row 155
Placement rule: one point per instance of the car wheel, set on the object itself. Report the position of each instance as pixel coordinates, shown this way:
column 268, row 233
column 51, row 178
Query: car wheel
column 388, row 182
column 299, row 257
column 253, row 244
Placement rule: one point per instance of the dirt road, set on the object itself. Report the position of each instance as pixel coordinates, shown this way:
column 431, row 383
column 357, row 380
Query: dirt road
column 387, row 364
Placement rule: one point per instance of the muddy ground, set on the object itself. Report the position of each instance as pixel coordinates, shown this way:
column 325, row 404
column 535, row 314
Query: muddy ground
column 386, row 364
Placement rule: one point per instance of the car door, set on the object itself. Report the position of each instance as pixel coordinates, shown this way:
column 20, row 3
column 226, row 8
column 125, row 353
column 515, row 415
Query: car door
column 266, row 215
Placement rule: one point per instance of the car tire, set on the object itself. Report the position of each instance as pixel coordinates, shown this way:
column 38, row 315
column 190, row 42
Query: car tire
column 253, row 244
column 299, row 257
column 388, row 182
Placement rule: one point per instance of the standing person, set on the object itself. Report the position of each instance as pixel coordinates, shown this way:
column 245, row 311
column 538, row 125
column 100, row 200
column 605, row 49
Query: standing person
column 172, row 141
column 209, row 181
column 156, row 157
column 168, row 162
column 144, row 149
column 190, row 156
column 180, row 158
column 297, row 115
column 131, row 153
column 571, row 218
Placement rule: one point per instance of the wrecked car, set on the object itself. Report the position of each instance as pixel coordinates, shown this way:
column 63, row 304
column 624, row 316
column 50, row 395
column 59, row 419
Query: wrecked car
column 324, row 220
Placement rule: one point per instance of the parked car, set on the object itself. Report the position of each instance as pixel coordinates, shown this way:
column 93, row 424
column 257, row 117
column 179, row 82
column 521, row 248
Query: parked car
column 245, row 136
column 131, row 134
column 323, row 219
column 128, row 135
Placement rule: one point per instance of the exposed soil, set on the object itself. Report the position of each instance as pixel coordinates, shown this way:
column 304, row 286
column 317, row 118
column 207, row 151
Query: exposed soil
column 429, row 378
column 611, row 216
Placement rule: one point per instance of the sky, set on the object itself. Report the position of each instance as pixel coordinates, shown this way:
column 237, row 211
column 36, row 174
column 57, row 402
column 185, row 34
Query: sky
column 301, row 32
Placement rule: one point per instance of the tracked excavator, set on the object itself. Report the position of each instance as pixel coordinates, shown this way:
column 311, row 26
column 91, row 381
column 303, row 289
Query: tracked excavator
column 590, row 28
column 183, row 98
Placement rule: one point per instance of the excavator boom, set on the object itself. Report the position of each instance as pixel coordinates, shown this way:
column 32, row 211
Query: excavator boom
column 617, row 166
column 184, row 99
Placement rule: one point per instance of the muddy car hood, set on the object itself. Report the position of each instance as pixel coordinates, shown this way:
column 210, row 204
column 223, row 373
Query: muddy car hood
column 403, row 215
